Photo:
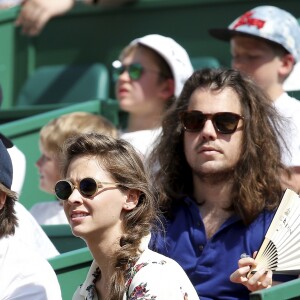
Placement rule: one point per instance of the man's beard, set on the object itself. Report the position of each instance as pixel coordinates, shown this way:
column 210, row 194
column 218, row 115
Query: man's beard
column 215, row 178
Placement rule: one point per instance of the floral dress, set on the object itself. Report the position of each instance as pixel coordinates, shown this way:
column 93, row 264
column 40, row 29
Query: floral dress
column 152, row 277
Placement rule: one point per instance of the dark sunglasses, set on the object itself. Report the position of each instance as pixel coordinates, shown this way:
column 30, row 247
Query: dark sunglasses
column 87, row 187
column 224, row 122
column 135, row 71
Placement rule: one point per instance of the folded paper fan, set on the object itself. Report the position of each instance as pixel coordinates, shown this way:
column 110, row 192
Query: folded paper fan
column 280, row 250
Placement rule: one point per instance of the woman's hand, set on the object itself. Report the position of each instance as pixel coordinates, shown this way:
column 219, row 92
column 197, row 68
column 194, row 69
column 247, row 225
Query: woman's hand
column 261, row 279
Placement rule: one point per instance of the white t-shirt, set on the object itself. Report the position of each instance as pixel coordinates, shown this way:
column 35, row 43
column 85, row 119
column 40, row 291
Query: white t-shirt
column 49, row 213
column 32, row 234
column 292, row 83
column 24, row 274
column 289, row 108
column 142, row 140
column 19, row 168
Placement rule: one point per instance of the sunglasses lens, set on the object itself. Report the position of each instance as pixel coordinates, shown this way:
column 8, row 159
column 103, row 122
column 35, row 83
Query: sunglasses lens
column 117, row 71
column 193, row 120
column 63, row 190
column 88, row 187
column 135, row 71
column 226, row 122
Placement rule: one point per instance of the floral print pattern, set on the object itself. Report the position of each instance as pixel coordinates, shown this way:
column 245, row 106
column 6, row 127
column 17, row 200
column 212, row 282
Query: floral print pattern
column 146, row 285
column 91, row 289
column 141, row 292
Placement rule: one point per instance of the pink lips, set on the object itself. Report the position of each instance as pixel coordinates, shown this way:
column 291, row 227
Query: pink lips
column 122, row 91
column 207, row 150
column 77, row 215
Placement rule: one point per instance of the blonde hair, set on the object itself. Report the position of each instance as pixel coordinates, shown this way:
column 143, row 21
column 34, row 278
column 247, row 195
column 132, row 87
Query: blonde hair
column 57, row 131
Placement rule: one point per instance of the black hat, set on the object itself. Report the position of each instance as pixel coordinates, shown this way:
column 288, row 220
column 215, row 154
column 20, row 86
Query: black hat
column 6, row 169
column 6, row 141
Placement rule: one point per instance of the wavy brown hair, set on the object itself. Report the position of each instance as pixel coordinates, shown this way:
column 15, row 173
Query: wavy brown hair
column 256, row 177
column 124, row 165
column 8, row 218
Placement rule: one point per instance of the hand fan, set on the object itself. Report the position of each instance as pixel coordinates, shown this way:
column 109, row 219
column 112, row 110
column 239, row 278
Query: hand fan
column 280, row 250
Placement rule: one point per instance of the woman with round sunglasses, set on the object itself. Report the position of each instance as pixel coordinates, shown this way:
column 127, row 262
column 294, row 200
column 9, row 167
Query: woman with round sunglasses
column 149, row 75
column 110, row 205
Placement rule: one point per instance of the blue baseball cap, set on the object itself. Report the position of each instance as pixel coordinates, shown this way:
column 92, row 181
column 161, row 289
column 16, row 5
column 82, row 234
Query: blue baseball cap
column 266, row 22
column 6, row 169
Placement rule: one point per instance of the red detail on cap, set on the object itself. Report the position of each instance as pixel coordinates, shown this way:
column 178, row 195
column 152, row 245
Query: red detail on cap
column 246, row 19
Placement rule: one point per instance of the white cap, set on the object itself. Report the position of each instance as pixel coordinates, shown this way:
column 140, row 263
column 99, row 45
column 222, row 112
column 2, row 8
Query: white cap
column 174, row 54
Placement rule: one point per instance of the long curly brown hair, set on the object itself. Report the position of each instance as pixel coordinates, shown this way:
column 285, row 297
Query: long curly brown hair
column 124, row 165
column 8, row 217
column 257, row 184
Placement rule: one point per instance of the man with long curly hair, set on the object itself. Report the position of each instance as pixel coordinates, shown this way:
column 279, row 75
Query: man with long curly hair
column 219, row 181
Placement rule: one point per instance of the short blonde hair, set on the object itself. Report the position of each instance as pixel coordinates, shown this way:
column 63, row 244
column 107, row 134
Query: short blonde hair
column 57, row 131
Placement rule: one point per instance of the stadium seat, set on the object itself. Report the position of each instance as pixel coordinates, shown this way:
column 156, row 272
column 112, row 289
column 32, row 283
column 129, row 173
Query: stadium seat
column 286, row 290
column 295, row 94
column 201, row 62
column 62, row 237
column 65, row 84
column 71, row 269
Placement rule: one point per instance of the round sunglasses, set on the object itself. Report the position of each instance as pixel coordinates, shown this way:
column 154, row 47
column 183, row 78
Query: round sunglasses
column 223, row 122
column 135, row 70
column 87, row 187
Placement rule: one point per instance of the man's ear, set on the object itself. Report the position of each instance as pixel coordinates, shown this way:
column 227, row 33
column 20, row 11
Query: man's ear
column 132, row 199
column 167, row 89
column 2, row 199
column 287, row 64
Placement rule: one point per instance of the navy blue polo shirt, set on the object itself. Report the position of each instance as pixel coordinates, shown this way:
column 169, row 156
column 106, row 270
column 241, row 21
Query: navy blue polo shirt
column 209, row 262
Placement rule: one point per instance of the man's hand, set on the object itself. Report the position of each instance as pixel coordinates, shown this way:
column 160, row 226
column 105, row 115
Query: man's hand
column 262, row 279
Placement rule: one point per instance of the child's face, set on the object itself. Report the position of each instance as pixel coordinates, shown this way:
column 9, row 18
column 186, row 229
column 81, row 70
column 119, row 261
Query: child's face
column 257, row 59
column 142, row 96
column 48, row 167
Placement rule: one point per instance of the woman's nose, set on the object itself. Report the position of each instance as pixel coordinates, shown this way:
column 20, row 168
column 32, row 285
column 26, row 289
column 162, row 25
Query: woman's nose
column 75, row 197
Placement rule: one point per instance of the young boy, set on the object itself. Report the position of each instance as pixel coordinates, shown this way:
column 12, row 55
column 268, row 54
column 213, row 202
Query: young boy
column 265, row 44
column 52, row 137
column 149, row 74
